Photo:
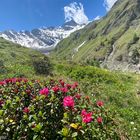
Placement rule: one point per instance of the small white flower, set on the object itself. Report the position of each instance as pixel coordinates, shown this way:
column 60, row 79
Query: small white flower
column 132, row 123
column 135, row 128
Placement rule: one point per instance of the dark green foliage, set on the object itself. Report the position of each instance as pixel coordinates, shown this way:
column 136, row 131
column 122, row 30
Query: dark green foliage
column 1, row 64
column 135, row 57
column 135, row 38
column 17, row 61
column 119, row 58
column 93, row 62
column 76, row 36
column 2, row 67
column 13, row 54
column 42, row 65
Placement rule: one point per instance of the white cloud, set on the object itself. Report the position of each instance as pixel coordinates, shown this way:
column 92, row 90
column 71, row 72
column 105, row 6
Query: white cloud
column 108, row 4
column 97, row 18
column 75, row 11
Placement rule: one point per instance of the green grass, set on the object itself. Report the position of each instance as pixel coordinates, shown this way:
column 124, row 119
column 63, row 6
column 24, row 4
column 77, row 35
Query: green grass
column 118, row 91
column 17, row 61
column 117, row 27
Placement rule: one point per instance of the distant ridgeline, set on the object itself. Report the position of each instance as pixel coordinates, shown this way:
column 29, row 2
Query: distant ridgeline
column 42, row 38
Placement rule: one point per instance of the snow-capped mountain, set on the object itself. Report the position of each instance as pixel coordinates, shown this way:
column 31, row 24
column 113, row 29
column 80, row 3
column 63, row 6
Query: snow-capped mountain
column 41, row 38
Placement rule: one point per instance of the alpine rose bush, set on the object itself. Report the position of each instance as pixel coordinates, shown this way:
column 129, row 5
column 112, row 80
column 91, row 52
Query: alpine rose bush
column 44, row 91
column 52, row 110
column 68, row 101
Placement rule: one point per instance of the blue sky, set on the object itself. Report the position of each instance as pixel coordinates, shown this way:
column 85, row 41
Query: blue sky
column 30, row 14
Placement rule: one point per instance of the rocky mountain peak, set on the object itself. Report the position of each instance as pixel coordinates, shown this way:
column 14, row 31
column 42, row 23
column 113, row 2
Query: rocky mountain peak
column 41, row 38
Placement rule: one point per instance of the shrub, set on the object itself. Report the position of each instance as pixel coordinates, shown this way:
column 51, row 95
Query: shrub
column 93, row 62
column 52, row 110
column 2, row 67
column 42, row 65
column 134, row 40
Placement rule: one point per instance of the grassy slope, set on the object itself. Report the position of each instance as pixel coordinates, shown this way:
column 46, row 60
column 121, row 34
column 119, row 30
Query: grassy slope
column 16, row 60
column 113, row 28
column 117, row 90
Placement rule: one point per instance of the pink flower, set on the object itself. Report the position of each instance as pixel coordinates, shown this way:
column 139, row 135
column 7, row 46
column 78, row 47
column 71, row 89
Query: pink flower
column 78, row 96
column 68, row 86
column 100, row 103
column 44, row 91
column 83, row 113
column 86, row 117
column 1, row 102
column 2, row 83
column 99, row 120
column 55, row 89
column 64, row 90
column 14, row 80
column 25, row 80
column 68, row 101
column 62, row 83
column 26, row 110
column 8, row 81
column 28, row 91
column 76, row 84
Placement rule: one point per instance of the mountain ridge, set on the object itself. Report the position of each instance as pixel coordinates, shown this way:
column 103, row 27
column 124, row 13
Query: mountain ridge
column 41, row 38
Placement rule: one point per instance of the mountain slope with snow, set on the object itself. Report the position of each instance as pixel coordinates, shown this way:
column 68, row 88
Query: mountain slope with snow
column 113, row 41
column 42, row 38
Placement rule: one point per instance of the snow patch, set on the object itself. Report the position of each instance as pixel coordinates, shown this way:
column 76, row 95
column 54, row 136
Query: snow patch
column 77, row 48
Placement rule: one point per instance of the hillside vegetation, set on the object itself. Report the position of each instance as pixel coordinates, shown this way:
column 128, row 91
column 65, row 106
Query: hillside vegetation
column 18, row 61
column 119, row 91
column 113, row 41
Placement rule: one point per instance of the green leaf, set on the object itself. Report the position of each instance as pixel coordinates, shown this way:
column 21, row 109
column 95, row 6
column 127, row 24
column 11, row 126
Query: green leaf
column 8, row 101
column 40, row 113
column 65, row 132
column 38, row 128
column 17, row 99
column 1, row 112
column 1, row 121
column 25, row 116
column 35, row 117
column 65, row 115
column 35, row 137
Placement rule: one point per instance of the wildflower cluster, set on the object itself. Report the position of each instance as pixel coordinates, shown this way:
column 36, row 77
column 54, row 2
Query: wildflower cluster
column 33, row 110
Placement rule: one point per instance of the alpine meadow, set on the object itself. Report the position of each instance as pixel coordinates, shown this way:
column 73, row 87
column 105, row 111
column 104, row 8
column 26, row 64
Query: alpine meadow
column 78, row 81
